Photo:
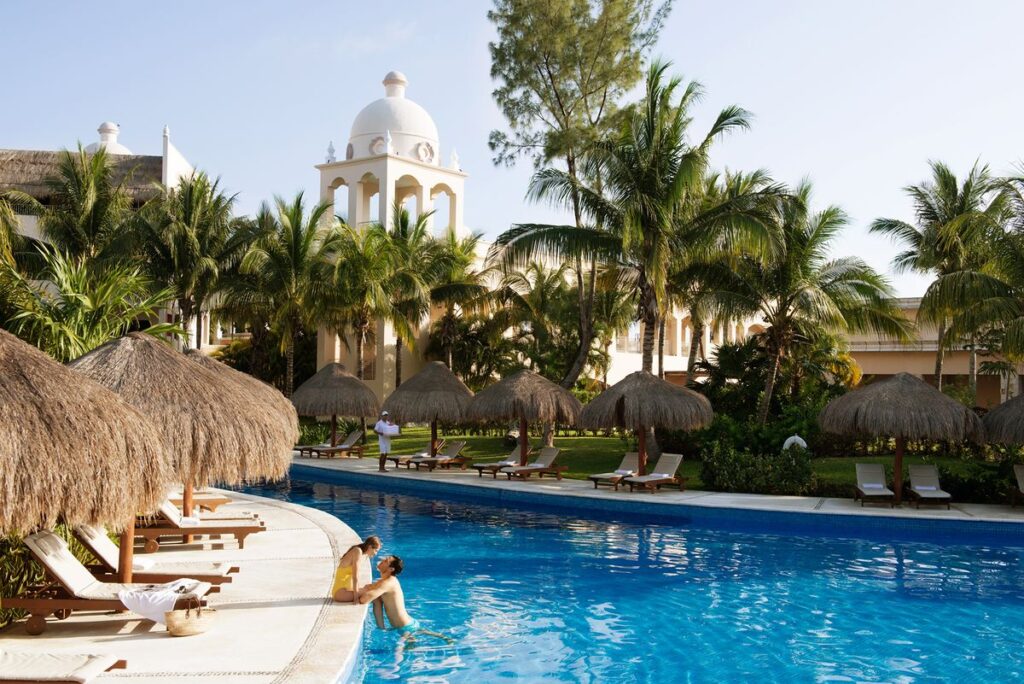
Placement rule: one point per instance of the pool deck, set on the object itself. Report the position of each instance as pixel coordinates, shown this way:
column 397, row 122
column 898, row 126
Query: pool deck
column 566, row 488
column 273, row 623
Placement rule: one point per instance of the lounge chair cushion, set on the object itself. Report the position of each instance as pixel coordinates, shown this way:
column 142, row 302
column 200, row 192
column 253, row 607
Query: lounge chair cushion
column 53, row 667
column 99, row 544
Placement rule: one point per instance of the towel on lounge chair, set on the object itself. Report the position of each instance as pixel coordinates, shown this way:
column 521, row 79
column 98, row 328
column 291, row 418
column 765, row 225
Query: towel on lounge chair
column 54, row 667
column 152, row 602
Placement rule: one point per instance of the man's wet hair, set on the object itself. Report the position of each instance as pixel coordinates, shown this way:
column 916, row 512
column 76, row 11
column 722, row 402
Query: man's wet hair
column 396, row 565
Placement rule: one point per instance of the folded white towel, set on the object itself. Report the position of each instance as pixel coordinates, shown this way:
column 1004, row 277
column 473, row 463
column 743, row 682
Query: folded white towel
column 872, row 485
column 623, row 472
column 926, row 488
column 142, row 564
column 664, row 475
column 189, row 521
column 152, row 603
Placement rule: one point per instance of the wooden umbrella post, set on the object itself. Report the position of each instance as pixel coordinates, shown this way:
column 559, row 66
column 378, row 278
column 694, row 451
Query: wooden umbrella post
column 433, row 438
column 186, row 508
column 641, row 450
column 897, row 475
column 524, row 441
column 126, row 554
column 334, row 430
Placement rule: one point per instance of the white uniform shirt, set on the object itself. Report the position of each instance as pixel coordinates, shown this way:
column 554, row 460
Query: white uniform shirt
column 383, row 440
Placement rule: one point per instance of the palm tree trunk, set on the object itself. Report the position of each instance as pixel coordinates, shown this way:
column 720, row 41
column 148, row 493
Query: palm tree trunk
column 289, row 355
column 398, row 362
column 972, row 372
column 585, row 293
column 939, row 354
column 360, row 331
column 650, row 324
column 185, row 311
column 695, row 337
column 769, row 388
column 661, row 348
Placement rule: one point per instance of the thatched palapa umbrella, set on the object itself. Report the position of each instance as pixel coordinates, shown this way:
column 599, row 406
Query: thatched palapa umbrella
column 433, row 394
column 334, row 392
column 212, row 431
column 640, row 401
column 905, row 407
column 257, row 390
column 1005, row 423
column 71, row 450
column 526, row 397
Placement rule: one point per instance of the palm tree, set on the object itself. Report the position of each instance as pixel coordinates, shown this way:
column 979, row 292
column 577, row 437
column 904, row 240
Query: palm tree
column 457, row 286
column 9, row 237
column 951, row 221
column 79, row 304
column 531, row 302
column 372, row 283
column 88, row 211
column 648, row 172
column 187, row 239
column 285, row 276
column 413, row 250
column 802, row 295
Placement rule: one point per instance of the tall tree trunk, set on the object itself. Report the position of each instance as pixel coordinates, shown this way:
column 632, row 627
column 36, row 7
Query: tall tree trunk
column 607, row 363
column 360, row 332
column 939, row 354
column 398, row 362
column 661, row 348
column 769, row 388
column 972, row 372
column 650, row 324
column 585, row 295
column 199, row 327
column 289, row 373
column 185, row 312
column 695, row 337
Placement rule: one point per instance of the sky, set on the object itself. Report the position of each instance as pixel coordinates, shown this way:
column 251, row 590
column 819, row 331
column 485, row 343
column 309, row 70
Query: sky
column 856, row 96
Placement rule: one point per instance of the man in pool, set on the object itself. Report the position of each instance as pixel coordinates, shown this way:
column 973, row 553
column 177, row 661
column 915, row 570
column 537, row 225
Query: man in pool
column 387, row 598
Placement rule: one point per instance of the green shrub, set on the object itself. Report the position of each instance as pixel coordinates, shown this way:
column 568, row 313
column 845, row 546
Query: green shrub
column 727, row 469
column 978, row 481
column 312, row 431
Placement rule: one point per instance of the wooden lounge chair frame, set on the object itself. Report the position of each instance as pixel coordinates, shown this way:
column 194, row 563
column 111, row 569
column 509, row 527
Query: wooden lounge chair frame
column 494, row 467
column 207, row 502
column 629, row 462
column 153, row 534
column 655, row 485
column 52, row 597
column 446, row 460
column 406, row 459
column 535, row 468
column 919, row 498
column 868, row 496
column 117, row 665
column 106, row 572
column 350, row 445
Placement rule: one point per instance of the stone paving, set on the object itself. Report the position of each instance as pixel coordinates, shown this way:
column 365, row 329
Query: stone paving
column 274, row 622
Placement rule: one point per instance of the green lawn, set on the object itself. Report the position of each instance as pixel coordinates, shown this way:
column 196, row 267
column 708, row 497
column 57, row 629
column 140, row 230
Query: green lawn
column 586, row 455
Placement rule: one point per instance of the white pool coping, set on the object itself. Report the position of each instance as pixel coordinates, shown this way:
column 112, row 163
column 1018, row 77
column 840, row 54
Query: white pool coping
column 274, row 622
column 757, row 502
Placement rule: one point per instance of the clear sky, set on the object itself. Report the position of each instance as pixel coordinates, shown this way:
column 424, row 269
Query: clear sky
column 858, row 96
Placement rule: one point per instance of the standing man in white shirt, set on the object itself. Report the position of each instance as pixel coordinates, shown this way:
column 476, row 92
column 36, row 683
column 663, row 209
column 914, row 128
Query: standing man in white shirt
column 384, row 429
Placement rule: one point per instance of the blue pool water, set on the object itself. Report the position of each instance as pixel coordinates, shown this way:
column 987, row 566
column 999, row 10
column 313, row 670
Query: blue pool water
column 537, row 596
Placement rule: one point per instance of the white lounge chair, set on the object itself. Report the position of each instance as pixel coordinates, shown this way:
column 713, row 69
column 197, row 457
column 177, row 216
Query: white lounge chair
column 405, row 459
column 664, row 473
column 207, row 501
column 72, row 587
column 348, row 446
column 96, row 541
column 630, row 464
column 544, row 465
column 171, row 513
column 27, row 667
column 450, row 455
column 871, row 485
column 170, row 523
column 494, row 467
column 925, row 487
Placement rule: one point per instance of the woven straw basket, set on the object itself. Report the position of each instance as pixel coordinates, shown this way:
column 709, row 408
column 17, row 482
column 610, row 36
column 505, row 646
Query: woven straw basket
column 193, row 620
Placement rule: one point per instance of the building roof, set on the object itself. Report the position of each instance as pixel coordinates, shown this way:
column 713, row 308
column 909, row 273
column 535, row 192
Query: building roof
column 412, row 131
column 27, row 170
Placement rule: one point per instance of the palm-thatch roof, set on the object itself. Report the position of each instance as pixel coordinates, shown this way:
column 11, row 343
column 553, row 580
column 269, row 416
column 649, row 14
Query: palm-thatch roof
column 901, row 406
column 524, row 395
column 28, row 171
column 643, row 400
column 433, row 394
column 69, row 448
column 208, row 427
column 333, row 391
column 1005, row 423
column 258, row 391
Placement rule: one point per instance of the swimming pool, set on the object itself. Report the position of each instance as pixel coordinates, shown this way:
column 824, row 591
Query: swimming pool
column 535, row 595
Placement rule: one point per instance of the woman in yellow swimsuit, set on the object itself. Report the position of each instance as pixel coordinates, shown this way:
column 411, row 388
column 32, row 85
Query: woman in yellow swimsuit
column 346, row 577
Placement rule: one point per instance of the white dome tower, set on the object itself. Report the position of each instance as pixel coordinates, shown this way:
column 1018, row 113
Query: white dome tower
column 108, row 131
column 413, row 132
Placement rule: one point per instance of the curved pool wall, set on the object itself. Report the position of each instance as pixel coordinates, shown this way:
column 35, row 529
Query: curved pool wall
column 646, row 508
